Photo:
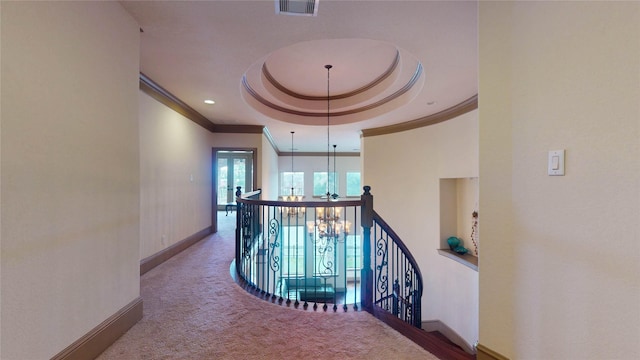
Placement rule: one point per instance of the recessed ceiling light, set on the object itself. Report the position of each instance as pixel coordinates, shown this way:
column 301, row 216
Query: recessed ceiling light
column 210, row 102
column 431, row 102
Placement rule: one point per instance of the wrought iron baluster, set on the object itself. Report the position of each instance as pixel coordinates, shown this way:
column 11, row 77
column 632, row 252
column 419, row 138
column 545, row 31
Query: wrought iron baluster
column 382, row 269
column 274, row 251
column 392, row 283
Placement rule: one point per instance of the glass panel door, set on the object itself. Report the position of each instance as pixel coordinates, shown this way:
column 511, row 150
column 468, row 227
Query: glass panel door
column 240, row 175
column 223, row 182
column 235, row 168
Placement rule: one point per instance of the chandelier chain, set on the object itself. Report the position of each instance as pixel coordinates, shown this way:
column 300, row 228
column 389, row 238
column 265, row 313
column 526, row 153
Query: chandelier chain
column 328, row 67
column 292, row 177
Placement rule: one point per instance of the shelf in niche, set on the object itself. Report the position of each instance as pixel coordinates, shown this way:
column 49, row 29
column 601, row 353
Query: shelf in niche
column 458, row 202
column 467, row 260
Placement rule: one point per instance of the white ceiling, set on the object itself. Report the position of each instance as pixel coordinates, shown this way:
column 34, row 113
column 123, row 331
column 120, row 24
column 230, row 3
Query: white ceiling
column 201, row 50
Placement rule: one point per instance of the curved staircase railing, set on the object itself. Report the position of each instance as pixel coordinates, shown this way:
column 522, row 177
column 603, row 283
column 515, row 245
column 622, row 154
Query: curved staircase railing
column 333, row 254
column 398, row 281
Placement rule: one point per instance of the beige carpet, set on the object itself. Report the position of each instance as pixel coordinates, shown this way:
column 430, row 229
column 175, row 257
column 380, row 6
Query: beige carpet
column 194, row 310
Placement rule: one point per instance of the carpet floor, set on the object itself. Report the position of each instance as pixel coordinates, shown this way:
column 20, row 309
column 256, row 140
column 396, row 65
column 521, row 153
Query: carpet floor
column 194, row 310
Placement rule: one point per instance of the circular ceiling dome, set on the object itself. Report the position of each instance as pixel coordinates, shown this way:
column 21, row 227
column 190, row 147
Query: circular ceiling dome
column 367, row 78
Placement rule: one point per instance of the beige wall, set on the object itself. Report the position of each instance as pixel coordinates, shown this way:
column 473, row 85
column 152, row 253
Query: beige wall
column 70, row 172
column 175, row 173
column 269, row 183
column 175, row 176
column 560, row 256
column 403, row 170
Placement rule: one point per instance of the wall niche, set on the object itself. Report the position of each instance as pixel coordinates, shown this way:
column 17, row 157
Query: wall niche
column 458, row 203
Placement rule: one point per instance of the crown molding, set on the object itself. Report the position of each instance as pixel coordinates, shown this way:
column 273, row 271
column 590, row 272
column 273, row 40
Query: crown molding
column 159, row 93
column 162, row 95
column 253, row 93
column 165, row 97
column 450, row 113
column 238, row 129
column 387, row 73
column 267, row 134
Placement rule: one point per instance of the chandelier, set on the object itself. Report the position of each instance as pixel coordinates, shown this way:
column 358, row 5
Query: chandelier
column 328, row 223
column 292, row 197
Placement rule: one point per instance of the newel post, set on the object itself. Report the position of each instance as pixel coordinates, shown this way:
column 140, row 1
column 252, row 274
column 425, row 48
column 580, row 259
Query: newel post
column 238, row 230
column 367, row 272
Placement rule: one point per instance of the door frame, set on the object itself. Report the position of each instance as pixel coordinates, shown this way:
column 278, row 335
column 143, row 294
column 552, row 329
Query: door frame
column 214, row 178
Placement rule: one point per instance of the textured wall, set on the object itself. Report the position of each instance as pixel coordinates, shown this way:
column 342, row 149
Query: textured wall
column 175, row 177
column 269, row 183
column 560, row 254
column 403, row 170
column 70, row 183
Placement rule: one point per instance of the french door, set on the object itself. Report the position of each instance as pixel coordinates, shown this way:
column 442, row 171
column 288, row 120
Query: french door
column 235, row 168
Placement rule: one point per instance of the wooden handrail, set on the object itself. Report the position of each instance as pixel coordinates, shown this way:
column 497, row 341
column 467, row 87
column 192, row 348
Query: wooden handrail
column 312, row 204
column 258, row 250
column 261, row 218
column 252, row 195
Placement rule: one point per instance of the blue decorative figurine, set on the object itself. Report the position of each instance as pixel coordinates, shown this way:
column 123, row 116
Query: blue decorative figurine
column 455, row 244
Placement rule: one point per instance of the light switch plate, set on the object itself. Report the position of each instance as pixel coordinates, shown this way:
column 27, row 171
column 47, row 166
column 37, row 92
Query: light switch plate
column 555, row 166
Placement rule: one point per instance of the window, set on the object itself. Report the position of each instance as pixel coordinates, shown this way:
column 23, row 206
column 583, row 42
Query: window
column 327, row 253
column 353, row 184
column 286, row 183
column 320, row 183
column 293, row 259
column 354, row 252
column 324, row 258
column 320, row 257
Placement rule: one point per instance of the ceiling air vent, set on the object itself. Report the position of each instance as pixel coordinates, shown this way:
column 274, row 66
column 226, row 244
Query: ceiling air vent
column 297, row 7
